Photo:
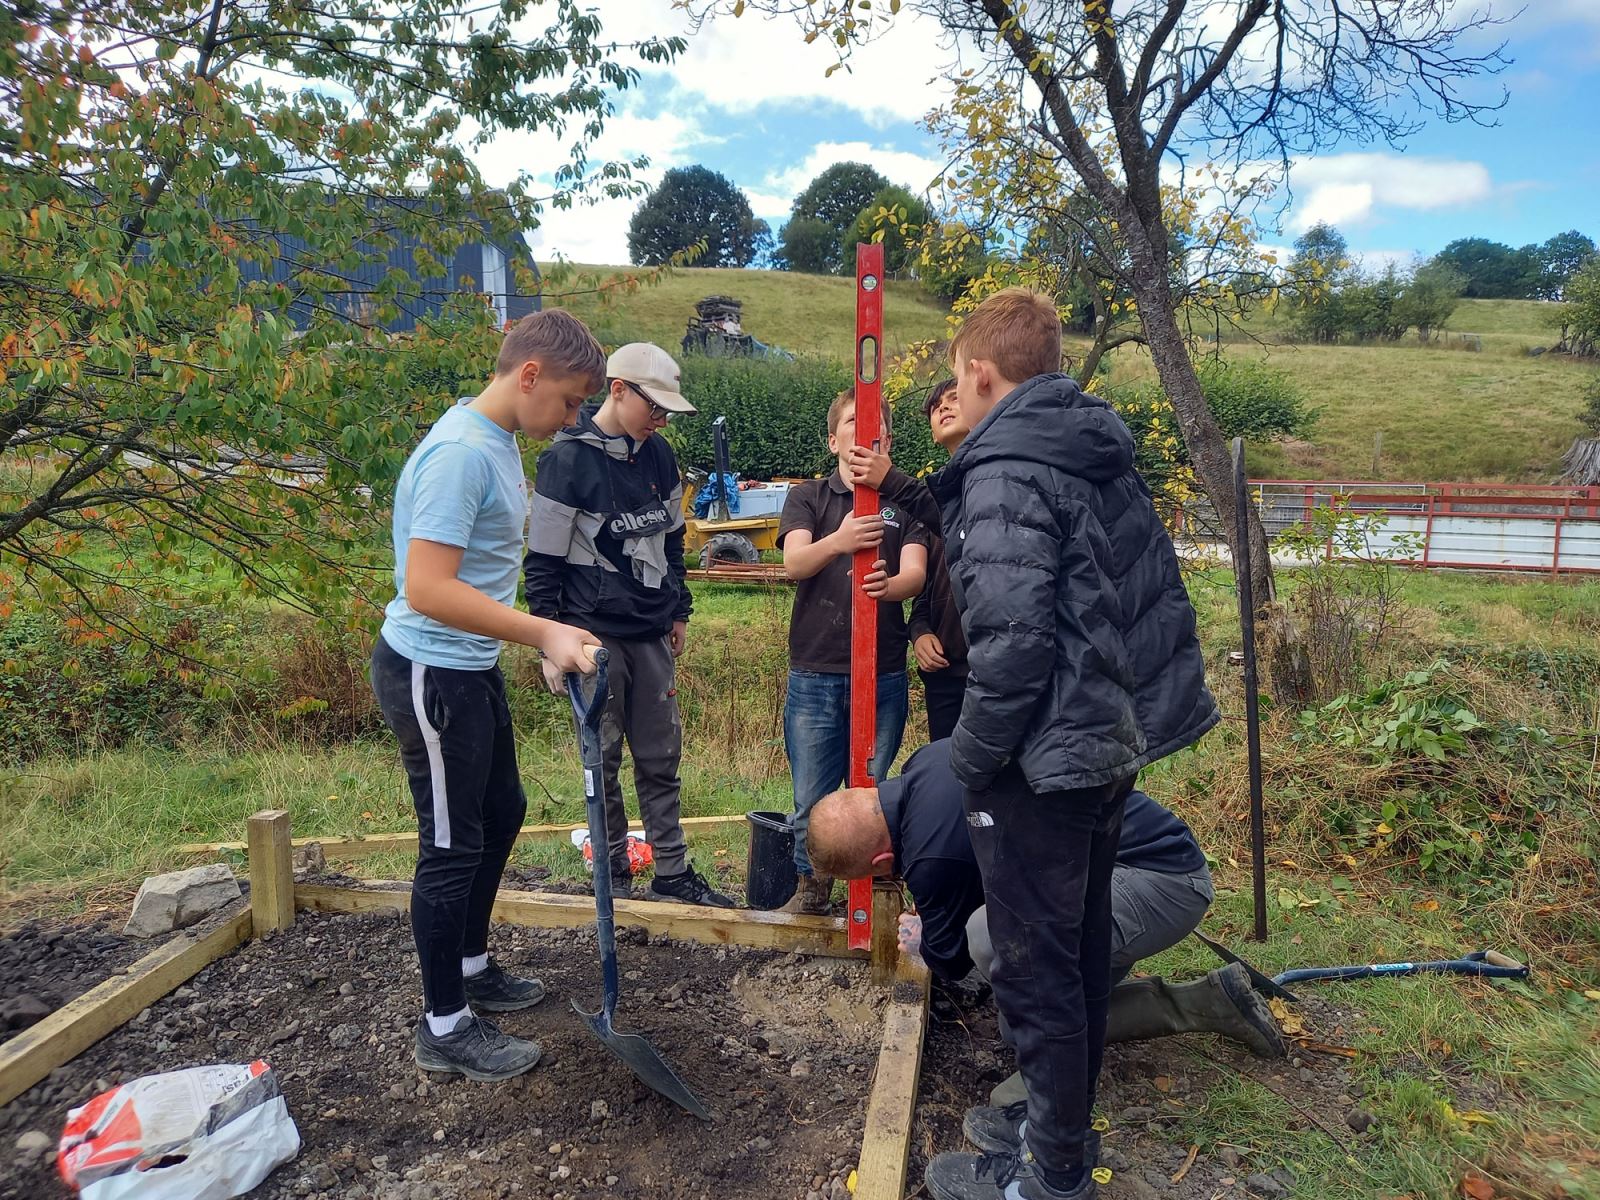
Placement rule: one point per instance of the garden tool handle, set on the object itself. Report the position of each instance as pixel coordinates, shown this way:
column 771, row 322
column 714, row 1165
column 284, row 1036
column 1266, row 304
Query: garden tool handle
column 1496, row 959
column 587, row 712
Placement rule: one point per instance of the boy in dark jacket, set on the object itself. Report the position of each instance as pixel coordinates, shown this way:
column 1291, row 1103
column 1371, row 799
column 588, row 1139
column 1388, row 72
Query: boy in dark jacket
column 819, row 534
column 937, row 642
column 1083, row 667
column 605, row 550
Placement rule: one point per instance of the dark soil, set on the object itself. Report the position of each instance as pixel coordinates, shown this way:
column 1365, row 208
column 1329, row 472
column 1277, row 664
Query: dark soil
column 1149, row 1093
column 42, row 966
column 780, row 1048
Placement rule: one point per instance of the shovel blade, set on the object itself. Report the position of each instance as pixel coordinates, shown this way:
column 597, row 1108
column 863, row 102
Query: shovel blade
column 641, row 1058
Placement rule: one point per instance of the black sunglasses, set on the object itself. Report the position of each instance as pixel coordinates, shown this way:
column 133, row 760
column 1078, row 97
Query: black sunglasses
column 657, row 413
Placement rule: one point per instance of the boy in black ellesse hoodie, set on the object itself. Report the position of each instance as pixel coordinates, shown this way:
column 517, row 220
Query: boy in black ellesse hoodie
column 605, row 540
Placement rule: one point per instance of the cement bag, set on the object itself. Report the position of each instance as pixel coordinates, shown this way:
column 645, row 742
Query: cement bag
column 207, row 1133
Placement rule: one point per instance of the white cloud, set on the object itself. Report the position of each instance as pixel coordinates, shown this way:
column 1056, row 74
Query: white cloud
column 1351, row 189
column 739, row 64
column 915, row 171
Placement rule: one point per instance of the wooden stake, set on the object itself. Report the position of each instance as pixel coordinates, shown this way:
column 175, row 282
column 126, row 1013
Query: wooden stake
column 891, row 1109
column 886, row 907
column 271, row 872
column 70, row 1030
column 823, row 936
column 384, row 843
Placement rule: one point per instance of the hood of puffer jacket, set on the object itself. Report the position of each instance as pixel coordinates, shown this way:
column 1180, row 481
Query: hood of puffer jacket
column 1050, row 420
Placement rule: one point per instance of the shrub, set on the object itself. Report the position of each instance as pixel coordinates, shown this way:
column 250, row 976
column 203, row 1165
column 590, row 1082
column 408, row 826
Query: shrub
column 1252, row 400
column 778, row 417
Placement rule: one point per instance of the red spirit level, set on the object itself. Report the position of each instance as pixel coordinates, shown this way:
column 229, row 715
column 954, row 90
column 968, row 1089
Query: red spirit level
column 864, row 609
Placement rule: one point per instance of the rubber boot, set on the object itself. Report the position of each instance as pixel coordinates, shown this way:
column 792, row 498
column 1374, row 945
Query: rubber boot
column 812, row 896
column 1223, row 1002
column 1150, row 1007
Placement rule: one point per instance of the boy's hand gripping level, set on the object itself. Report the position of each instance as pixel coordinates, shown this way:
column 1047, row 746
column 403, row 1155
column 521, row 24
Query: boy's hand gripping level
column 864, row 609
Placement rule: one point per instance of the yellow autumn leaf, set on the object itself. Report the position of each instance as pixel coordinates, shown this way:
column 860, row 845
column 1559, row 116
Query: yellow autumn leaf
column 1383, row 827
column 850, row 1183
column 1288, row 1020
column 1592, row 994
column 1474, row 1117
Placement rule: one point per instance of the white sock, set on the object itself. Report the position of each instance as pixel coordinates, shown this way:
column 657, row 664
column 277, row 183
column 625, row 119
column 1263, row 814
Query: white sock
column 440, row 1026
column 475, row 965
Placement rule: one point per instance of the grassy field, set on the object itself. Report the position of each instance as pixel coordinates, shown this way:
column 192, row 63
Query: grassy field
column 1444, row 414
column 804, row 314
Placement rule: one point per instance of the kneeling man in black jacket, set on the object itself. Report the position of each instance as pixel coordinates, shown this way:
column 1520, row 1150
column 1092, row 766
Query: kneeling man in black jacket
column 1083, row 668
column 915, row 826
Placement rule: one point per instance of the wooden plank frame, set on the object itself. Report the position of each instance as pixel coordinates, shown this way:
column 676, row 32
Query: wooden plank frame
column 886, row 1142
column 74, row 1027
column 339, row 848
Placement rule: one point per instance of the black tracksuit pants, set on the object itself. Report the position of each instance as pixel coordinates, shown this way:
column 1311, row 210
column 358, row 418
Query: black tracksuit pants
column 454, row 729
column 942, row 693
column 1046, row 860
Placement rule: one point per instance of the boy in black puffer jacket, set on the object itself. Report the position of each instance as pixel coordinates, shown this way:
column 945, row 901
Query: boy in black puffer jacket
column 1083, row 667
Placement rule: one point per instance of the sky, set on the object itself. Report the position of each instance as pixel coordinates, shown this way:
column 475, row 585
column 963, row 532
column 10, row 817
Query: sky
column 750, row 100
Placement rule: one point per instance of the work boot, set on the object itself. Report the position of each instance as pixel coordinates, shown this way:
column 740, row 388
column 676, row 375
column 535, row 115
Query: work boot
column 813, row 896
column 1003, row 1130
column 1223, row 1002
column 475, row 1048
column 689, row 887
column 1013, row 1176
column 492, row 990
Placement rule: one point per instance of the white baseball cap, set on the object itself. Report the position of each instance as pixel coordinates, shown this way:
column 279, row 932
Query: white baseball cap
column 653, row 371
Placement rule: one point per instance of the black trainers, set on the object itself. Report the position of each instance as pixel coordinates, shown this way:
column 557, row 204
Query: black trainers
column 475, row 1048
column 999, row 1177
column 689, row 887
column 1002, row 1130
column 492, row 990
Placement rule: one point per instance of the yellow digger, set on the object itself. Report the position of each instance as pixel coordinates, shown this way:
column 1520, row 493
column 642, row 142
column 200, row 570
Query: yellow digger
column 714, row 533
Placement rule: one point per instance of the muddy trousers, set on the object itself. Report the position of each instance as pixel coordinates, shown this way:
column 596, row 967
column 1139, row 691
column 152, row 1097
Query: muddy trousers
column 1046, row 860
column 454, row 730
column 643, row 708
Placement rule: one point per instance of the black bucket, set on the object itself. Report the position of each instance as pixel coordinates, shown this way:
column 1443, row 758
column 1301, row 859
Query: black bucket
column 769, row 871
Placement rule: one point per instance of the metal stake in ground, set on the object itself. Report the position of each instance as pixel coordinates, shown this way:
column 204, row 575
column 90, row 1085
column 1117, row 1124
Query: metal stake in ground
column 639, row 1055
column 1252, row 700
column 864, row 609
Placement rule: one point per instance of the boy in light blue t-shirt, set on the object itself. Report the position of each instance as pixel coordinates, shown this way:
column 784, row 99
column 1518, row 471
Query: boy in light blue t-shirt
column 460, row 514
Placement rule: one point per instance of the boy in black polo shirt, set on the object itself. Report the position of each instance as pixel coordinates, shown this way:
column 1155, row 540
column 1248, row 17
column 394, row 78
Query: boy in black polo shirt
column 818, row 535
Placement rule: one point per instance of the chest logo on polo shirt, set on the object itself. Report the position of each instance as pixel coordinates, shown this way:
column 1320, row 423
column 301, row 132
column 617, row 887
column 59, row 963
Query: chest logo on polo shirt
column 980, row 820
column 890, row 517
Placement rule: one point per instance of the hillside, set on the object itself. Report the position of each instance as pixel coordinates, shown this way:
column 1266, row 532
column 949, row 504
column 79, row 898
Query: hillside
column 805, row 314
column 1445, row 414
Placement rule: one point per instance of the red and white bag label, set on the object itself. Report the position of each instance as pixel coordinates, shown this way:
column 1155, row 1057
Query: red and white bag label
column 207, row 1133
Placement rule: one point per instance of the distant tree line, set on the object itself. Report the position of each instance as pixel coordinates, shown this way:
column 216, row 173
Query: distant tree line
column 1334, row 299
column 847, row 203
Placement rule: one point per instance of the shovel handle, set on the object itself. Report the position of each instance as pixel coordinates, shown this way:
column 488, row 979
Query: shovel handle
column 587, row 710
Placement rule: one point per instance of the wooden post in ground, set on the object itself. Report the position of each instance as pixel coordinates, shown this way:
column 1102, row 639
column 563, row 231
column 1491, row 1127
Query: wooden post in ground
column 892, row 1106
column 886, row 908
column 271, row 872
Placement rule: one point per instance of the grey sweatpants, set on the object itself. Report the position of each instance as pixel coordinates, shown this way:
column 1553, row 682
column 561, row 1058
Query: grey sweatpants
column 643, row 707
column 1150, row 911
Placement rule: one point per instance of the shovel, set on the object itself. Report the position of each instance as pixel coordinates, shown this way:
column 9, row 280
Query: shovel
column 1486, row 964
column 639, row 1055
